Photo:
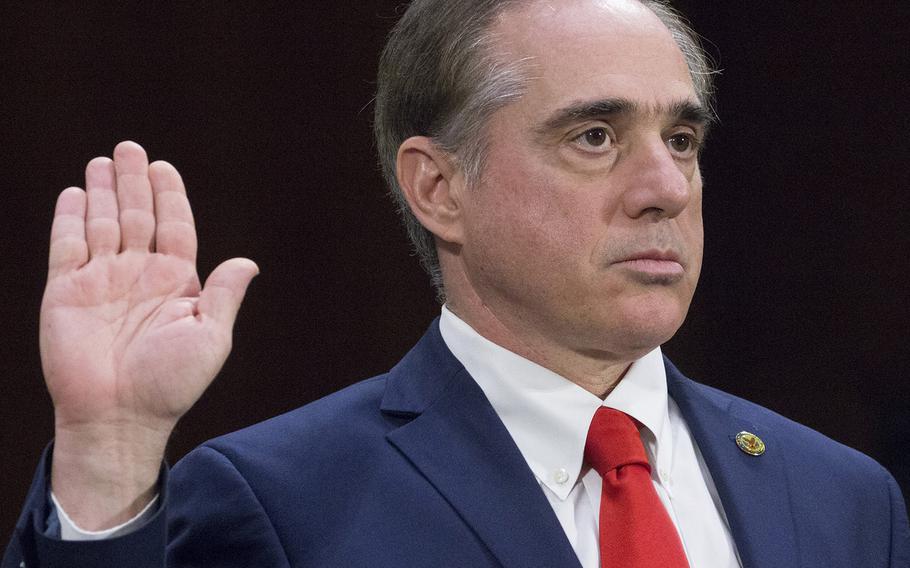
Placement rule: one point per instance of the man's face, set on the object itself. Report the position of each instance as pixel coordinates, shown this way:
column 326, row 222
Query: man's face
column 585, row 231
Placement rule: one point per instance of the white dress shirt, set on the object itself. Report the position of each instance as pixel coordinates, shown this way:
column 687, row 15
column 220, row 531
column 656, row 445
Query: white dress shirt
column 69, row 530
column 548, row 418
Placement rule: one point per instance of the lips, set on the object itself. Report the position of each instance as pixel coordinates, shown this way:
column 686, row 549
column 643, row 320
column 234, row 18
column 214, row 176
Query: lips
column 655, row 263
column 664, row 256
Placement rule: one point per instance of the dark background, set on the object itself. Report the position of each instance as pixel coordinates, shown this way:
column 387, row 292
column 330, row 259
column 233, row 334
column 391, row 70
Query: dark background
column 265, row 109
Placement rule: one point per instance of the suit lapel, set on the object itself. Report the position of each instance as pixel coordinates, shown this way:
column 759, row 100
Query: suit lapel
column 754, row 490
column 459, row 444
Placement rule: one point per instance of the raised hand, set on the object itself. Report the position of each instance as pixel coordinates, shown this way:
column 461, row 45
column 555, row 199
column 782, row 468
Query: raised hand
column 129, row 341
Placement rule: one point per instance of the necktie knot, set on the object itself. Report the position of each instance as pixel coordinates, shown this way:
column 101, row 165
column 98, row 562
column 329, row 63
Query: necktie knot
column 613, row 442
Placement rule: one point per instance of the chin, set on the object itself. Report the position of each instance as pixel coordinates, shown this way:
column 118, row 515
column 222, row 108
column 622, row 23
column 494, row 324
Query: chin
column 647, row 326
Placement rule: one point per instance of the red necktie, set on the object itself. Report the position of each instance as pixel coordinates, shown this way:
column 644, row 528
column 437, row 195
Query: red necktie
column 635, row 529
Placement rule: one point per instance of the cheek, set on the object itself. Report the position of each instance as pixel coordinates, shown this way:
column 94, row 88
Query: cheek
column 538, row 219
column 695, row 232
column 521, row 234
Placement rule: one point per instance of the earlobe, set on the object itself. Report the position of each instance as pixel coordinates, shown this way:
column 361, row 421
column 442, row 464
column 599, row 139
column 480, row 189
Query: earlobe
column 431, row 184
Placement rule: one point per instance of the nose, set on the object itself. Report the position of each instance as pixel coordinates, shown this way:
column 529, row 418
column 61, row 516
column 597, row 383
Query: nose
column 657, row 184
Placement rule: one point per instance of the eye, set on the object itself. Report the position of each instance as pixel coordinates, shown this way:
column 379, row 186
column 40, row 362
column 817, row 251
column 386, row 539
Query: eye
column 684, row 144
column 595, row 139
column 596, row 136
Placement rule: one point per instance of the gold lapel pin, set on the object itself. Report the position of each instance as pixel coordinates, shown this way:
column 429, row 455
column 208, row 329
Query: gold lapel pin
column 750, row 443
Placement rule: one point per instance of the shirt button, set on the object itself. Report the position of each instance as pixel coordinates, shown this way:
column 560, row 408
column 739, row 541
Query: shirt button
column 561, row 476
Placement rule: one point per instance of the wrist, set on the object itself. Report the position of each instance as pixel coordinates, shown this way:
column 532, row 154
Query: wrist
column 104, row 475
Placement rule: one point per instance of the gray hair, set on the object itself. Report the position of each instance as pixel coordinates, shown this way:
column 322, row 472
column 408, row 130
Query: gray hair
column 440, row 77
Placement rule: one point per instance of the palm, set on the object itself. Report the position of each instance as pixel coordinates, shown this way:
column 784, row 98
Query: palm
column 114, row 338
column 127, row 335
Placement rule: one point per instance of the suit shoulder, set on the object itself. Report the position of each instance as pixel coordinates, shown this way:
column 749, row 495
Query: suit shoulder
column 335, row 419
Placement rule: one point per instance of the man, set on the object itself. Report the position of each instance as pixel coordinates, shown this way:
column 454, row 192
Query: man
column 546, row 158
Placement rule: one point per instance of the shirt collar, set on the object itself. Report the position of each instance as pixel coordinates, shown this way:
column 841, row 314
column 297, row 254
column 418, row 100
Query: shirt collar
column 547, row 415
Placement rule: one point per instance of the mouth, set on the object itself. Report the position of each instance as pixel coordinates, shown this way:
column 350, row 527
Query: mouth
column 653, row 264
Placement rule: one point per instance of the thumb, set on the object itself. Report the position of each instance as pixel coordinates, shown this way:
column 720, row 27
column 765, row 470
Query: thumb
column 225, row 288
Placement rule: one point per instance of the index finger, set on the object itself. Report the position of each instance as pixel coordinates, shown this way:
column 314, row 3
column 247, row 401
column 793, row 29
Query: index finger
column 175, row 231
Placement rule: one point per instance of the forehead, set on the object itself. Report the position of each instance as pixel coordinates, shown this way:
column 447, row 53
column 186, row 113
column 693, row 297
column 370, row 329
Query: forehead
column 593, row 49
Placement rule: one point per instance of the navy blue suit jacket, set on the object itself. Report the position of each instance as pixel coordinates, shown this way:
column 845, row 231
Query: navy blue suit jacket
column 414, row 468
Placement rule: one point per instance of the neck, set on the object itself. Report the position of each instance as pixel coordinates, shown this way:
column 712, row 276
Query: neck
column 596, row 372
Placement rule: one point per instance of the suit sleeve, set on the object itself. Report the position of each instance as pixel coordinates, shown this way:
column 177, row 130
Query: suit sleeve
column 216, row 518
column 32, row 547
column 900, row 533
column 209, row 516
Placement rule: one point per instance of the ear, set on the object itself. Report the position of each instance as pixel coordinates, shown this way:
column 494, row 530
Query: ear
column 432, row 185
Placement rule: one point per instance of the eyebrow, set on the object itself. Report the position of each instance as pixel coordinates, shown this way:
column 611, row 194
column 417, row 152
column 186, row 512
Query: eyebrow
column 683, row 110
